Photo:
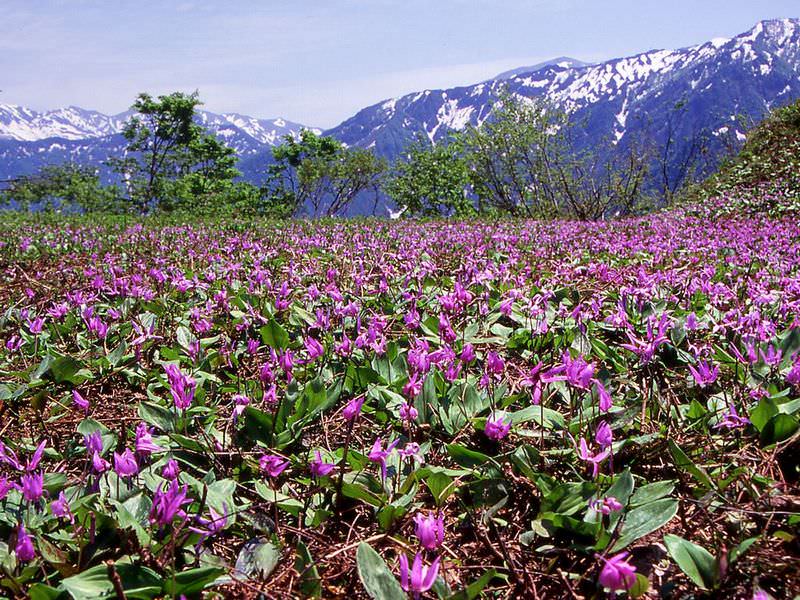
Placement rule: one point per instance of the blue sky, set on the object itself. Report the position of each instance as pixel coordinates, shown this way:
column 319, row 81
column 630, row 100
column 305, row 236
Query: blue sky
column 319, row 61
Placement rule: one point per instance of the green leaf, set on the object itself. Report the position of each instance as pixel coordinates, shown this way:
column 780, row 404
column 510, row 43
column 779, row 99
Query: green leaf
column 684, row 462
column 762, row 413
column 640, row 587
column 191, row 582
column 274, row 335
column 138, row 582
column 466, row 457
column 778, row 428
column 310, row 582
column 441, row 486
column 697, row 562
column 379, row 582
column 621, row 490
column 652, row 492
column 645, row 519
column 257, row 558
column 475, row 588
column 40, row 591
column 740, row 549
column 156, row 415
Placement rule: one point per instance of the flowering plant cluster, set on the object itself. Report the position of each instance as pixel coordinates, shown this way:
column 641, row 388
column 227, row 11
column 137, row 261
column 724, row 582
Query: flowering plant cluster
column 424, row 409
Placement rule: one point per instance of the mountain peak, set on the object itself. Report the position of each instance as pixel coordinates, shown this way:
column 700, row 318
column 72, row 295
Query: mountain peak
column 564, row 62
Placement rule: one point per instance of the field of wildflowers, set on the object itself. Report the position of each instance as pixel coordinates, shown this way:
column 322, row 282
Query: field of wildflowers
column 401, row 409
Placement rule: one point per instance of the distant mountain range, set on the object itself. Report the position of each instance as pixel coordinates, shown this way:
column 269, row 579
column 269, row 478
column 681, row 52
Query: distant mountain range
column 616, row 101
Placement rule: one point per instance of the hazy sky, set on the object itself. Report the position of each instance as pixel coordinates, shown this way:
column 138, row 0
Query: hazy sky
column 319, row 61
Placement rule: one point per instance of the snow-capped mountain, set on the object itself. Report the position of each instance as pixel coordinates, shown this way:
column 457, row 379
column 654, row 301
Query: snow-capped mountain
column 718, row 81
column 246, row 134
column 624, row 101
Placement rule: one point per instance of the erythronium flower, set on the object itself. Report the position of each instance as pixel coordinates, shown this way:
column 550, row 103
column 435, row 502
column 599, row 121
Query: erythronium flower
column 168, row 503
column 594, row 459
column 212, row 526
column 408, row 413
column 272, row 465
column 125, row 463
column 240, row 402
column 144, row 441
column 353, row 408
column 32, row 486
column 24, row 548
column 320, row 468
column 467, row 353
column 5, row 487
column 412, row 450
column 617, row 574
column 496, row 428
column 171, row 470
column 379, row 455
column 494, row 364
column 313, row 348
column 93, row 442
column 182, row 387
column 603, row 435
column 100, row 464
column 704, row 375
column 420, row 578
column 731, row 419
column 606, row 505
column 413, row 387
column 60, row 508
column 430, row 530
column 80, row 402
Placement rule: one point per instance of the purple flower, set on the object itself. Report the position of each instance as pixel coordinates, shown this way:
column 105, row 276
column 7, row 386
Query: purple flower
column 593, row 459
column 496, row 428
column 240, row 402
column 125, row 463
column 494, row 364
column 168, row 503
column 24, row 548
column 408, row 413
column 467, row 354
column 379, row 455
column 212, row 526
column 606, row 505
column 272, row 465
column 32, row 486
column 313, row 348
column 80, row 402
column 60, row 508
column 93, row 442
column 413, row 387
column 319, row 468
column 731, row 419
column 617, row 574
column 353, row 408
column 603, row 435
column 100, row 464
column 429, row 530
column 182, row 387
column 604, row 398
column 704, row 375
column 144, row 441
column 5, row 487
column 421, row 578
column 171, row 470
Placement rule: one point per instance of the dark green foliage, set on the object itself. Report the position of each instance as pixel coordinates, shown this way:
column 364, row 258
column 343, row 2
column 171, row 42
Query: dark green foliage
column 62, row 187
column 318, row 175
column 432, row 180
column 172, row 162
column 769, row 160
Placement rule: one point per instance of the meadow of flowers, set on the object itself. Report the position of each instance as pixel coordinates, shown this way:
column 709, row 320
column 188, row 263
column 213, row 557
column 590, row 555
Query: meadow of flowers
column 401, row 409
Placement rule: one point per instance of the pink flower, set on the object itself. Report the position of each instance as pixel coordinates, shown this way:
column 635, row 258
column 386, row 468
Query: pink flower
column 379, row 455
column 496, row 428
column 408, row 413
column 617, row 574
column 353, row 408
column 704, row 375
column 144, row 441
column 80, row 402
column 125, row 463
column 593, row 459
column 272, row 465
column 24, row 548
column 60, row 508
column 603, row 435
column 429, row 530
column 606, row 505
column 421, row 578
column 320, row 468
